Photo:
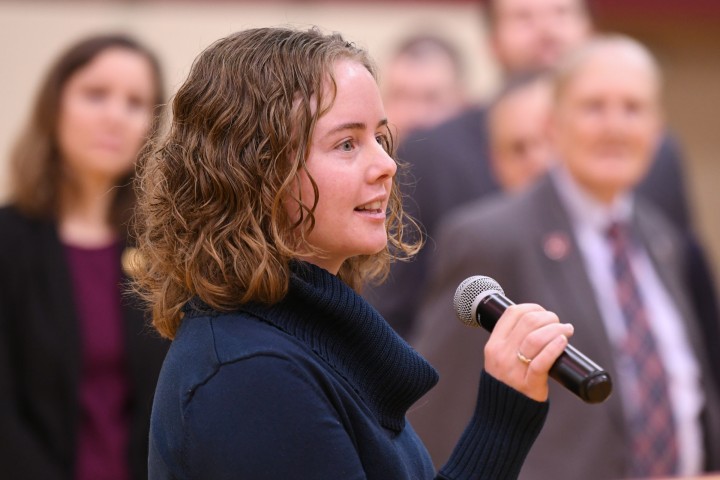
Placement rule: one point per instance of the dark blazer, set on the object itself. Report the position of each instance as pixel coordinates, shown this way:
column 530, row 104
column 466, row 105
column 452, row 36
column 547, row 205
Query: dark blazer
column 515, row 240
column 449, row 166
column 40, row 357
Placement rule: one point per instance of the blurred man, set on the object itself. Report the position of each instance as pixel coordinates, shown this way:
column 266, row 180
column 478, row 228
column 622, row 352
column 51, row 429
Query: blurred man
column 582, row 245
column 422, row 84
column 517, row 122
column 532, row 35
column 450, row 163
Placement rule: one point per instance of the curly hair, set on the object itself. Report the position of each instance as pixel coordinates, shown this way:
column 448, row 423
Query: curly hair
column 211, row 219
column 36, row 173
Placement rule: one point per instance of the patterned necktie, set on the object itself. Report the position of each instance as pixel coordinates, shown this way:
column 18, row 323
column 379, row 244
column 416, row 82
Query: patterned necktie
column 654, row 448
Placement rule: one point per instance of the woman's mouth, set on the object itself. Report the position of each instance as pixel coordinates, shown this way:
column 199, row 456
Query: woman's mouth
column 372, row 207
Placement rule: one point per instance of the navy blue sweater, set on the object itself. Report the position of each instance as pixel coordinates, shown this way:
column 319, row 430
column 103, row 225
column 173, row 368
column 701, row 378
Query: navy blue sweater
column 315, row 387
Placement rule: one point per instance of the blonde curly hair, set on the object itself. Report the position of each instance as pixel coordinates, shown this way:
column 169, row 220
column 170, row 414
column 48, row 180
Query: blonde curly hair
column 211, row 219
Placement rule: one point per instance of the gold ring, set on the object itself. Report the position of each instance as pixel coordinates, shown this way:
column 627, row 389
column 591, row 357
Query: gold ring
column 523, row 358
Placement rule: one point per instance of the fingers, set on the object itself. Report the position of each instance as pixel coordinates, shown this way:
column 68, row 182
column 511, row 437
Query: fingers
column 531, row 325
column 534, row 337
column 545, row 358
column 525, row 343
column 507, row 322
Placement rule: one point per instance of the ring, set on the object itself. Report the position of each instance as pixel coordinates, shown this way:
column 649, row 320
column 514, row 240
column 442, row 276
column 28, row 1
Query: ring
column 523, row 358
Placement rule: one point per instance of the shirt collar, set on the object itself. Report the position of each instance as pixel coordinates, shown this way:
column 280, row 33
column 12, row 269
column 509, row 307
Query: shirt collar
column 587, row 211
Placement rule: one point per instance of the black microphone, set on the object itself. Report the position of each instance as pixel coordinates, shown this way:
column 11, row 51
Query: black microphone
column 480, row 301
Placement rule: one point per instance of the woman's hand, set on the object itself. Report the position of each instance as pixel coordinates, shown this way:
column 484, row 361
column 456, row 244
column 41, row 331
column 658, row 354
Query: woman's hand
column 524, row 344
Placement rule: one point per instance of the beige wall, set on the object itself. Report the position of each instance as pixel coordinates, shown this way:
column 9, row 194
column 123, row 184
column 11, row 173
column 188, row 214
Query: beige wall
column 693, row 103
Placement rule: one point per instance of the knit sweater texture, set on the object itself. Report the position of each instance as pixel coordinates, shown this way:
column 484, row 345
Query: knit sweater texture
column 315, row 387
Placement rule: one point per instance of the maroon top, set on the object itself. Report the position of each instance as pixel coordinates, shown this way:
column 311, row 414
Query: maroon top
column 103, row 428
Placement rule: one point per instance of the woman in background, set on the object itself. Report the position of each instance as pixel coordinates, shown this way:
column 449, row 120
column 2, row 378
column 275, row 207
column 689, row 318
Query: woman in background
column 270, row 200
column 78, row 366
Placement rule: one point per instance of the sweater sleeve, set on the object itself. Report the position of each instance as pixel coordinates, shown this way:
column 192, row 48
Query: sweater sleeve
column 499, row 436
column 263, row 418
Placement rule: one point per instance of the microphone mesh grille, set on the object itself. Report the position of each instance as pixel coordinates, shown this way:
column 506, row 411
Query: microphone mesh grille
column 467, row 292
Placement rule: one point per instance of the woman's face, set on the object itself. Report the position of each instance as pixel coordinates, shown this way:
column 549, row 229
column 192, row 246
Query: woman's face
column 353, row 172
column 105, row 114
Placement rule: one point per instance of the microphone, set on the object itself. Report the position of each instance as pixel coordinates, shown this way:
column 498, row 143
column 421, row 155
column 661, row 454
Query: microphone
column 480, row 301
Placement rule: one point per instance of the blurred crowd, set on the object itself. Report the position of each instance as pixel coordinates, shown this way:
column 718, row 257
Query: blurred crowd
column 566, row 187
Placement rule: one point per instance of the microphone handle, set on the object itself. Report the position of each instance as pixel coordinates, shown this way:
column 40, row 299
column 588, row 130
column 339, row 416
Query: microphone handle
column 572, row 369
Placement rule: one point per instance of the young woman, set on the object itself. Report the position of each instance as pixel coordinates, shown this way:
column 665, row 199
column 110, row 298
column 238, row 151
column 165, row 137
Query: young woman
column 270, row 200
column 78, row 366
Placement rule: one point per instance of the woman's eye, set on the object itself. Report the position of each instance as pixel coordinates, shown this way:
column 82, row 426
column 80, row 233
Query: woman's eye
column 95, row 94
column 136, row 104
column 346, row 146
column 384, row 141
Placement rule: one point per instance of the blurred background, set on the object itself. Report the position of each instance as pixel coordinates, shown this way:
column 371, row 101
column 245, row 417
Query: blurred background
column 683, row 34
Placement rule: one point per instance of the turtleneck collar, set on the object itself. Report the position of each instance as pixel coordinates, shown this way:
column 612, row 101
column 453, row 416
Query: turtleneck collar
column 353, row 339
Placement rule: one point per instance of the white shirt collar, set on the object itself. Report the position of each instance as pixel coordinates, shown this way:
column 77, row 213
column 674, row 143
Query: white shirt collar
column 584, row 209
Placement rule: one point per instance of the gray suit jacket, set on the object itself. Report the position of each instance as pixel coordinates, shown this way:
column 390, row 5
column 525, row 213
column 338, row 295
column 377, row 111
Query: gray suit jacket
column 526, row 243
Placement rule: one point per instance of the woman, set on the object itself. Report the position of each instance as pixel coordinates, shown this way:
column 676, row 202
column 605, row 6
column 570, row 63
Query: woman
column 258, row 214
column 77, row 365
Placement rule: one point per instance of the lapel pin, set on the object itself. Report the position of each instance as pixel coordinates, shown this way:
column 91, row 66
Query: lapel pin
column 556, row 246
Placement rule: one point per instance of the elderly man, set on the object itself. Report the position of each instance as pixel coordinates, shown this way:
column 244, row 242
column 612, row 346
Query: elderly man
column 582, row 245
column 450, row 163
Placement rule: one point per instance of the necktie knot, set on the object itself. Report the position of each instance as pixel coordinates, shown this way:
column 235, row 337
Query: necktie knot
column 617, row 231
column 620, row 237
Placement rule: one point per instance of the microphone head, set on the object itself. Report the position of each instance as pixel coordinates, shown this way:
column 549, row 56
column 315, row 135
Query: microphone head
column 469, row 293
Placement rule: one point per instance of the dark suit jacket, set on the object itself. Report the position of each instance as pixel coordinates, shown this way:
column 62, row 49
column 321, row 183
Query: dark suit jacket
column 40, row 357
column 449, row 166
column 506, row 238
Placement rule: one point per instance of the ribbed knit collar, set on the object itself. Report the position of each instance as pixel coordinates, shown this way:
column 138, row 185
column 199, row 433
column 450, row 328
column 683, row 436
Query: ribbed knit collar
column 353, row 339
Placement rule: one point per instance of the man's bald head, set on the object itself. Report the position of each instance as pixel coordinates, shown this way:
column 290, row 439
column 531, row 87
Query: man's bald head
column 608, row 48
column 606, row 119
